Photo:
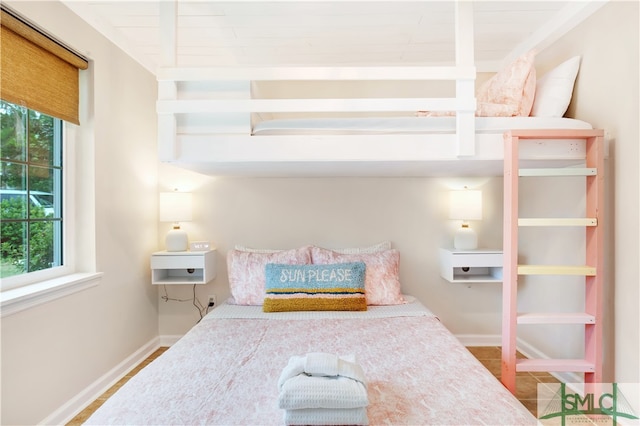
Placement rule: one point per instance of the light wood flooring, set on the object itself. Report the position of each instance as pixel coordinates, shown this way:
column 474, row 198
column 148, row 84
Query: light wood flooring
column 489, row 356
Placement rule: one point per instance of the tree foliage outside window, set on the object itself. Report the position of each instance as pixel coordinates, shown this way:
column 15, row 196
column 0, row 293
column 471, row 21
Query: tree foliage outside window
column 30, row 190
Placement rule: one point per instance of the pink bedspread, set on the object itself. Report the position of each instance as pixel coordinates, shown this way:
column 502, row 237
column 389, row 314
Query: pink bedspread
column 225, row 372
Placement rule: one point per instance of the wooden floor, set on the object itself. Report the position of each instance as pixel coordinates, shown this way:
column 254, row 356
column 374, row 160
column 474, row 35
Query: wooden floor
column 489, row 356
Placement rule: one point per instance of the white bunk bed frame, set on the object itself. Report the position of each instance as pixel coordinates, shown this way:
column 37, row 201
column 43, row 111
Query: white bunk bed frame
column 205, row 119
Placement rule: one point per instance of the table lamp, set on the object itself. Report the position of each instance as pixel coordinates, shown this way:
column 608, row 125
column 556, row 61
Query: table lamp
column 465, row 205
column 176, row 207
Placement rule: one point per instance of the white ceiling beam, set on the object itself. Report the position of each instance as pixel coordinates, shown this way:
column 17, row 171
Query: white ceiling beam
column 168, row 33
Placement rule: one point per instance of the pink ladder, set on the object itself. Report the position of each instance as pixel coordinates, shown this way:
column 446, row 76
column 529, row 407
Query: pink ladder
column 591, row 365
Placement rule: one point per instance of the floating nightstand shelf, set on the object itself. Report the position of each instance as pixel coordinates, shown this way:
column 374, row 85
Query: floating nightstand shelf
column 464, row 266
column 184, row 267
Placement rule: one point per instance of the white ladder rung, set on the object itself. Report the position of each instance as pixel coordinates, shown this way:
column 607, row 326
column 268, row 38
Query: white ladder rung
column 556, row 318
column 568, row 171
column 572, row 365
column 558, row 221
column 556, row 270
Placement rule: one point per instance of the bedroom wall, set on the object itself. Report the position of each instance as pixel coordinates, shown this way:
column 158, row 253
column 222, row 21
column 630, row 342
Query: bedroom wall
column 340, row 212
column 606, row 94
column 52, row 352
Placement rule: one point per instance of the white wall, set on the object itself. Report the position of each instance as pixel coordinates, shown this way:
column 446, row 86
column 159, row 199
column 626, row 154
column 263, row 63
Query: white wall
column 342, row 212
column 52, row 352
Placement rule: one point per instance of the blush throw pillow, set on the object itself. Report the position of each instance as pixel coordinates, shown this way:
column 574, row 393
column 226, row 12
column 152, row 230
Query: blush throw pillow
column 382, row 279
column 247, row 271
column 336, row 287
column 555, row 89
column 511, row 91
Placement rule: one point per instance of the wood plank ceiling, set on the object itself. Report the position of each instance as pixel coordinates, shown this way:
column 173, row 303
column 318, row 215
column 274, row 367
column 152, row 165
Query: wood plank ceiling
column 330, row 33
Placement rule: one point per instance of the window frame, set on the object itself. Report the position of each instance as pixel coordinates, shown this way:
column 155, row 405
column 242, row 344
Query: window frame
column 67, row 246
column 78, row 192
column 24, row 291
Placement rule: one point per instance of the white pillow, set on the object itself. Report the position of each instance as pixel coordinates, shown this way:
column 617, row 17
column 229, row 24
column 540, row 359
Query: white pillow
column 376, row 248
column 257, row 250
column 381, row 246
column 554, row 89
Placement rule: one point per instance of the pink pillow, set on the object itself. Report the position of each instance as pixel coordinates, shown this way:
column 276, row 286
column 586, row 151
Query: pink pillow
column 247, row 271
column 382, row 280
column 510, row 92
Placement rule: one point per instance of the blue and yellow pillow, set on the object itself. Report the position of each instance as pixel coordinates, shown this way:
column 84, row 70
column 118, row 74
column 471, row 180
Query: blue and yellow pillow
column 332, row 287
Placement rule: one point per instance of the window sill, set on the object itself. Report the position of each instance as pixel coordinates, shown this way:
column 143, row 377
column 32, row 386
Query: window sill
column 19, row 299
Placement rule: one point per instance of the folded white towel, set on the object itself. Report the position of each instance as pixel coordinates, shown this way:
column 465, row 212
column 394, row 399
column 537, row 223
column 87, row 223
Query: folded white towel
column 346, row 367
column 304, row 391
column 321, row 364
column 318, row 416
column 320, row 380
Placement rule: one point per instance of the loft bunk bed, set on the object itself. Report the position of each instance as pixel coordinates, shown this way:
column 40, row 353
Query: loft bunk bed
column 214, row 121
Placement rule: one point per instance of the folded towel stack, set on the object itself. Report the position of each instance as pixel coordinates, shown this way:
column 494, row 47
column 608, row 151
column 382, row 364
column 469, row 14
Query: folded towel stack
column 323, row 389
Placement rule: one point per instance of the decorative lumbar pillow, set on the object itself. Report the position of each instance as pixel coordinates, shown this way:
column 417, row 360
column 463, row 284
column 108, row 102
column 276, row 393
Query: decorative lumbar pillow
column 246, row 271
column 335, row 287
column 555, row 88
column 382, row 277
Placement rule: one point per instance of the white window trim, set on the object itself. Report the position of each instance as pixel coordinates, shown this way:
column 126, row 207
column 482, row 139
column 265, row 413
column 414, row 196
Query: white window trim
column 21, row 298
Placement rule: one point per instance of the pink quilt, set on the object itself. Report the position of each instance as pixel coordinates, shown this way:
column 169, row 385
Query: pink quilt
column 225, row 372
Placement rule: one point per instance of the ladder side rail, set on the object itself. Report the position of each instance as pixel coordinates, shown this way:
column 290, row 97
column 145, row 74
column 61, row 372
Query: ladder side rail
column 510, row 262
column 594, row 257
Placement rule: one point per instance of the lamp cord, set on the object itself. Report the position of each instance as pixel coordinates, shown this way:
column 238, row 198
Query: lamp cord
column 202, row 310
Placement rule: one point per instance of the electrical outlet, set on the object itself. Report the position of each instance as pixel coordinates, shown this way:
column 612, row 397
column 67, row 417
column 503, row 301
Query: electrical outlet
column 212, row 300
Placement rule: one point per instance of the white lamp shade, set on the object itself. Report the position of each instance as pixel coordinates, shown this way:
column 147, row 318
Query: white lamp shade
column 465, row 205
column 175, row 206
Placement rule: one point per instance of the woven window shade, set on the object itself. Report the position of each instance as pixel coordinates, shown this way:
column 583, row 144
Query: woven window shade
column 37, row 72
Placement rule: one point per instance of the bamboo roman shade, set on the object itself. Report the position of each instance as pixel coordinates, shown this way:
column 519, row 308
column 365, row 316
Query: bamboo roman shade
column 37, row 72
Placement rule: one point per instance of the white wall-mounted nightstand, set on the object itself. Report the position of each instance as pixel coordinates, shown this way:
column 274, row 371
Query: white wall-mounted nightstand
column 183, row 267
column 460, row 266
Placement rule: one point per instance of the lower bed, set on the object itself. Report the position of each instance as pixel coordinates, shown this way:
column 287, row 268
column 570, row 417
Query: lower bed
column 225, row 370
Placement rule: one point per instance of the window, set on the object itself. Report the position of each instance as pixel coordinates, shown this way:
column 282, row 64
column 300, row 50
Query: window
column 31, row 237
column 40, row 127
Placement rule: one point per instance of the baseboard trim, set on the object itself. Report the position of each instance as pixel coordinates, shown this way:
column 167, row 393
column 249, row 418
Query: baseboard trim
column 78, row 403
column 525, row 348
column 169, row 339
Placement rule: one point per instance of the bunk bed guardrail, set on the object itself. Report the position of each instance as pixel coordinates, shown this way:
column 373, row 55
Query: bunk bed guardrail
column 224, row 95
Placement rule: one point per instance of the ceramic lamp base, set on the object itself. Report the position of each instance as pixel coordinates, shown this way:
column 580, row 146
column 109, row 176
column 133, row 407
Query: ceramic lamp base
column 465, row 238
column 177, row 240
